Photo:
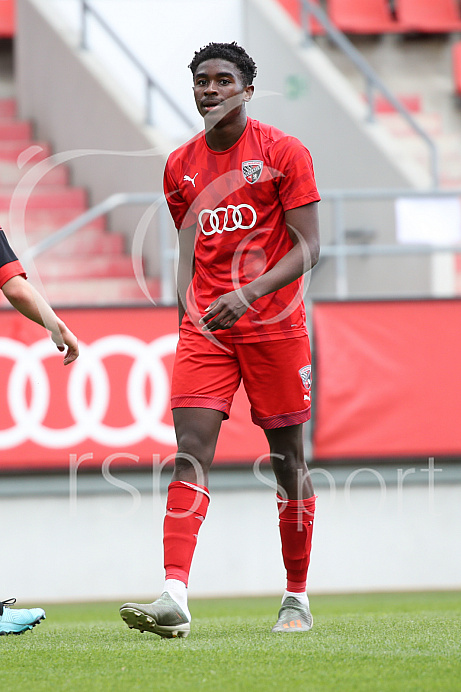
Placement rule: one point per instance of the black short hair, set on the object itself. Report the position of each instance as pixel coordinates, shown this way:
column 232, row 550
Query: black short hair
column 227, row 51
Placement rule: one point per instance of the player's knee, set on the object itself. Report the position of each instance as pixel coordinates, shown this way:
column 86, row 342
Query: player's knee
column 193, row 451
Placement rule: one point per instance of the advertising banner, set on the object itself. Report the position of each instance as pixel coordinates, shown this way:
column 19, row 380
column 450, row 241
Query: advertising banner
column 388, row 379
column 114, row 401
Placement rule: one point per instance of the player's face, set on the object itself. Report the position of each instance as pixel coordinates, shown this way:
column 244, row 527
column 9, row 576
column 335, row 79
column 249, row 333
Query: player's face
column 219, row 91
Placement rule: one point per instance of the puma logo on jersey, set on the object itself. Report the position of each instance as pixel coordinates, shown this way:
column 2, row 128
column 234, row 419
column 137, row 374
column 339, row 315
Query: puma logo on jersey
column 189, row 179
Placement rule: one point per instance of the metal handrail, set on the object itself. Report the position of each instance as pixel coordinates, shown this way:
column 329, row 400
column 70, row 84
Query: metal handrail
column 373, row 82
column 150, row 82
column 340, row 251
column 106, row 206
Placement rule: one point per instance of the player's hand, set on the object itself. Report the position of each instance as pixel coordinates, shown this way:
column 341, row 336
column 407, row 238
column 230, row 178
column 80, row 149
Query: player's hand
column 65, row 339
column 224, row 312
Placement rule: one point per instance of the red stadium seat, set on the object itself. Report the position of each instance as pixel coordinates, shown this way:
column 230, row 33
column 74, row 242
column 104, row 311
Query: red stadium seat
column 429, row 16
column 293, row 7
column 362, row 16
column 456, row 55
column 7, row 18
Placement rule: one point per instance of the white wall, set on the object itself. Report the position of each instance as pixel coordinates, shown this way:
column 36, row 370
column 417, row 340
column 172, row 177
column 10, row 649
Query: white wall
column 163, row 35
column 377, row 537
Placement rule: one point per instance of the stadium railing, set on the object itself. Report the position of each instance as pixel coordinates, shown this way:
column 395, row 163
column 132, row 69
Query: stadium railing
column 151, row 85
column 339, row 250
column 373, row 83
column 456, row 57
column 156, row 204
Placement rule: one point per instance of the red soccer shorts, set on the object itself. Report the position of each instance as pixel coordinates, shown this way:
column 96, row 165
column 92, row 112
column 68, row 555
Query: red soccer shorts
column 276, row 376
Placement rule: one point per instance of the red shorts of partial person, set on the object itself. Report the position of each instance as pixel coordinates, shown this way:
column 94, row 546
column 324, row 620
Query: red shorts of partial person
column 276, row 376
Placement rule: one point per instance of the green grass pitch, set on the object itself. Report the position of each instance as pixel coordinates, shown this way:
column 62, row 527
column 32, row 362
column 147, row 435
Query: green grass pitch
column 375, row 643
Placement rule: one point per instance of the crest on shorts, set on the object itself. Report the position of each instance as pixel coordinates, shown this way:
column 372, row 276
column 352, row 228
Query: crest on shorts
column 252, row 170
column 305, row 374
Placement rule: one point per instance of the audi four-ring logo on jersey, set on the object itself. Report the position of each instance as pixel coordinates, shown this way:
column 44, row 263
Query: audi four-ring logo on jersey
column 28, row 393
column 228, row 218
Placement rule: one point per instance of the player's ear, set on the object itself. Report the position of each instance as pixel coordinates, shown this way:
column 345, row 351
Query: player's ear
column 249, row 91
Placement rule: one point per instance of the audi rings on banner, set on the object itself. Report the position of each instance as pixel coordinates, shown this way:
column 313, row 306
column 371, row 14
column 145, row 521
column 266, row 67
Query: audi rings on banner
column 243, row 216
column 28, row 371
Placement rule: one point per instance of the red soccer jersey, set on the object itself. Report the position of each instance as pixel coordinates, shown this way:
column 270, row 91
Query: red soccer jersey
column 237, row 199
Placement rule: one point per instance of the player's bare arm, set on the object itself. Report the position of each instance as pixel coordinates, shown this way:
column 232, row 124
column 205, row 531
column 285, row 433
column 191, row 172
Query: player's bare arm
column 186, row 267
column 303, row 228
column 28, row 301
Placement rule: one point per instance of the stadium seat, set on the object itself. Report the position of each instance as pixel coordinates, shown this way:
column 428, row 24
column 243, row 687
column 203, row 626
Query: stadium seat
column 456, row 56
column 362, row 16
column 429, row 16
column 293, row 7
column 7, row 18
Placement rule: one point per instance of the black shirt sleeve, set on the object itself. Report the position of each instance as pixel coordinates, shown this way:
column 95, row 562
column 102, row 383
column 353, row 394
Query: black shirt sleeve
column 6, row 252
column 9, row 264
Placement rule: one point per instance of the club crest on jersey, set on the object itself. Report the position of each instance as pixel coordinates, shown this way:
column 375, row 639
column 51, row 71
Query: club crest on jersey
column 252, row 171
column 305, row 374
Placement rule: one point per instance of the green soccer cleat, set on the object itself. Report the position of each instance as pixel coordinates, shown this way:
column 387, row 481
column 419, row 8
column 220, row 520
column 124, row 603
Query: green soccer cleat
column 163, row 617
column 293, row 617
column 18, row 620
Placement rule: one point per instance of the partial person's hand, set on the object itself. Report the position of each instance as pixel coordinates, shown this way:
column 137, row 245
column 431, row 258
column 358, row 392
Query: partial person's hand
column 64, row 338
column 224, row 312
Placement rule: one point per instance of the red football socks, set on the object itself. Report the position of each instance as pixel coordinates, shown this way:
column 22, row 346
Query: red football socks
column 186, row 507
column 296, row 524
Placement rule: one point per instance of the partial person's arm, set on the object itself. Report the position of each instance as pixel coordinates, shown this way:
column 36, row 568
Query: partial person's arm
column 28, row 301
column 186, row 267
column 303, row 227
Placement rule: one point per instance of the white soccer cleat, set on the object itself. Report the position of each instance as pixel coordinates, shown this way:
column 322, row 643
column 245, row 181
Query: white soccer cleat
column 163, row 617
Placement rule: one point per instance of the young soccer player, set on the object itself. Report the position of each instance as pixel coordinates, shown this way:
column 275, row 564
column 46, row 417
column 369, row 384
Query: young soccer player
column 244, row 199
column 30, row 303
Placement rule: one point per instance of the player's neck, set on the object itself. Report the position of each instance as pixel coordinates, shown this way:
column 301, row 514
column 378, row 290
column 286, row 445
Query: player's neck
column 223, row 138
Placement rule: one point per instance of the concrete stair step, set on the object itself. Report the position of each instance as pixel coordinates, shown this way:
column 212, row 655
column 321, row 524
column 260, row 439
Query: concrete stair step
column 412, row 102
column 398, row 126
column 48, row 197
column 10, row 151
column 10, row 174
column 8, row 108
column 84, row 267
column 447, row 144
column 450, row 183
column 87, row 240
column 15, row 129
column 451, row 171
column 103, row 291
column 43, row 221
column 88, row 233
column 87, row 243
column 418, row 150
column 413, row 149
